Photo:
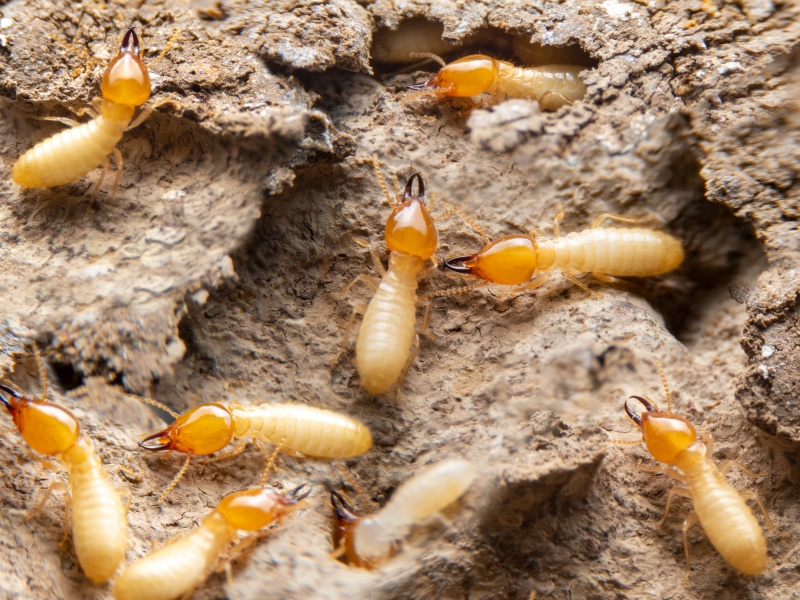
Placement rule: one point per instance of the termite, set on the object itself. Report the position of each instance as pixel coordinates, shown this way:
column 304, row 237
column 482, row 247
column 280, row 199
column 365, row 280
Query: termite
column 95, row 509
column 387, row 341
column 605, row 252
column 72, row 153
column 296, row 428
column 719, row 508
column 552, row 86
column 370, row 541
column 176, row 569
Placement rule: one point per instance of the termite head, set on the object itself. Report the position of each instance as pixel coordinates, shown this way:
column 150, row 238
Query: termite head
column 204, row 429
column 126, row 80
column 345, row 520
column 510, row 260
column 45, row 427
column 666, row 435
column 468, row 76
column 410, row 229
column 251, row 510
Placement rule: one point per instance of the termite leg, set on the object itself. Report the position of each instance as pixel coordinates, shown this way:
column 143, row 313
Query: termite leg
column 67, row 515
column 65, row 120
column 676, row 491
column 559, row 100
column 117, row 175
column 600, row 219
column 100, row 180
column 557, row 220
column 607, row 278
column 376, row 261
column 143, row 116
column 237, row 449
column 751, row 495
column 580, row 285
column 371, row 281
column 411, row 356
column 55, row 485
column 726, row 466
column 690, row 521
column 666, row 470
column 42, row 373
column 358, row 310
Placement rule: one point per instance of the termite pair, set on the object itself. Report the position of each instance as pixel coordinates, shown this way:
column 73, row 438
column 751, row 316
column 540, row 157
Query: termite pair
column 72, row 153
column 605, row 252
column 718, row 507
column 369, row 541
column 94, row 509
column 552, row 86
column 176, row 569
column 294, row 428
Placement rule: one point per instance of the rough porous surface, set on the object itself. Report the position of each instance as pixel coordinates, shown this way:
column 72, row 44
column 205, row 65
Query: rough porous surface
column 212, row 276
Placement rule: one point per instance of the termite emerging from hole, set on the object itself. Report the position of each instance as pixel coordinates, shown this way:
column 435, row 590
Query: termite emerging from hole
column 605, row 252
column 296, row 429
column 552, row 86
column 70, row 154
column 387, row 340
column 94, row 507
column 718, row 507
column 176, row 569
column 371, row 540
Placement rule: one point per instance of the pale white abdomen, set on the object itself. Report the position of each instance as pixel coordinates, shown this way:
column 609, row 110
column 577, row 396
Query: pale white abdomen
column 417, row 500
column 69, row 154
column 552, row 85
column 99, row 523
column 177, row 568
column 620, row 252
column 727, row 520
column 306, row 430
column 387, row 332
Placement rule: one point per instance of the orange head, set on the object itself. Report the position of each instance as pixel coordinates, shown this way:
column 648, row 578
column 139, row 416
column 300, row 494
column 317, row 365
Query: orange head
column 511, row 260
column 126, row 80
column 253, row 509
column 666, row 435
column 410, row 229
column 45, row 427
column 468, row 76
column 204, row 429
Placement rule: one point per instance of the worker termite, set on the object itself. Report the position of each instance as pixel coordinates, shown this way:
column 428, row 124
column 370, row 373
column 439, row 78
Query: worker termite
column 95, row 509
column 719, row 508
column 295, row 428
column 179, row 567
column 552, row 86
column 369, row 541
column 605, row 252
column 387, row 341
column 72, row 153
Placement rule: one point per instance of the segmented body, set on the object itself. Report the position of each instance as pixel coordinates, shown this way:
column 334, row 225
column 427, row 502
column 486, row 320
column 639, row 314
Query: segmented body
column 552, row 85
column 302, row 429
column 418, row 499
column 387, row 332
column 177, row 568
column 619, row 252
column 727, row 520
column 69, row 154
column 99, row 525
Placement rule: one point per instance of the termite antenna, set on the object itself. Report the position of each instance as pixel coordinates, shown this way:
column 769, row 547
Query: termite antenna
column 376, row 163
column 157, row 404
column 270, row 459
column 408, row 196
column 176, row 479
column 648, row 406
column 429, row 56
column 664, row 383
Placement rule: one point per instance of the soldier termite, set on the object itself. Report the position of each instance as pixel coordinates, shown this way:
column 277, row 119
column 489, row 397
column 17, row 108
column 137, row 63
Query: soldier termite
column 369, row 541
column 552, row 86
column 95, row 509
column 387, row 341
column 176, row 569
column 72, row 153
column 295, row 428
column 605, row 252
column 719, row 508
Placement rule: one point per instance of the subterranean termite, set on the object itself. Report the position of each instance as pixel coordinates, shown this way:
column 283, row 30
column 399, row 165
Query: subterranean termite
column 605, row 252
column 718, row 507
column 176, row 569
column 95, row 509
column 295, row 428
column 72, row 153
column 387, row 341
column 552, row 86
column 369, row 541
